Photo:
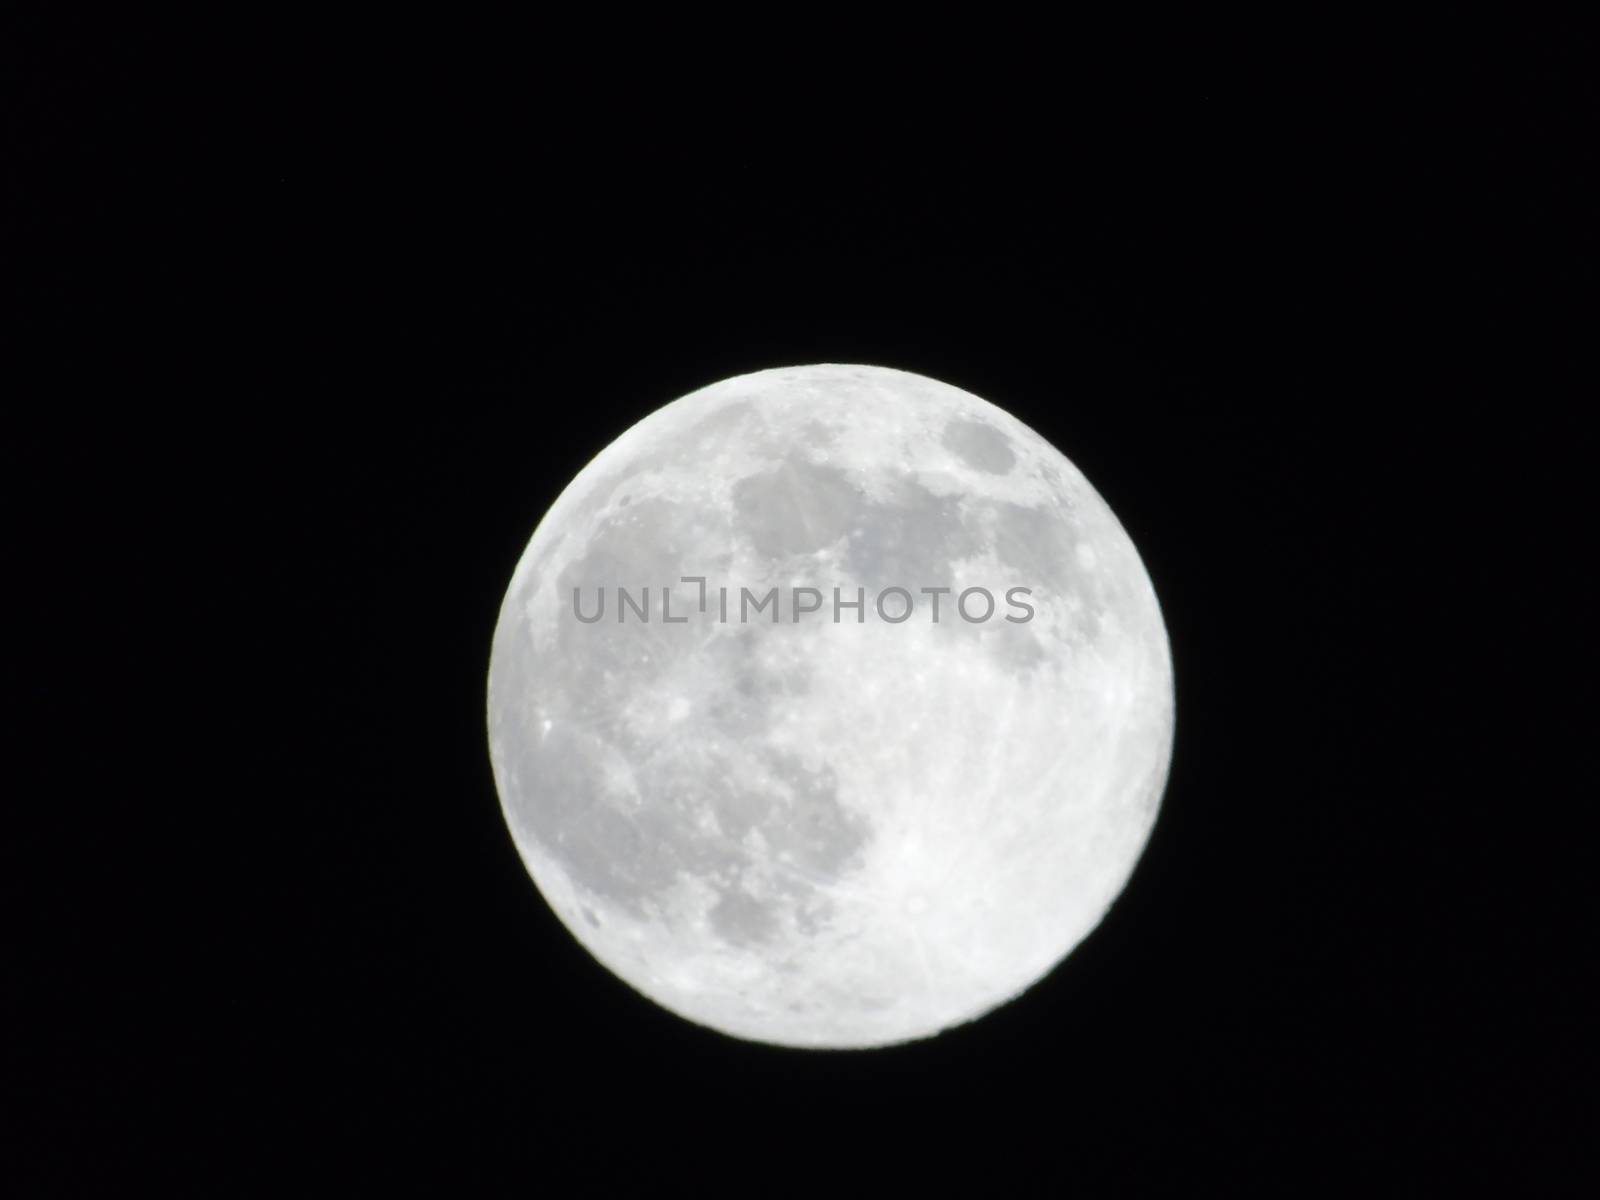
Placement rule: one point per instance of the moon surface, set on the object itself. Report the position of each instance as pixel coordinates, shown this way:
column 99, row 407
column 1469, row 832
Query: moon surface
column 821, row 824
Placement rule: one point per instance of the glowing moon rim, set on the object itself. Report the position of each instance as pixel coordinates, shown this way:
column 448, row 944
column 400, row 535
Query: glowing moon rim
column 825, row 827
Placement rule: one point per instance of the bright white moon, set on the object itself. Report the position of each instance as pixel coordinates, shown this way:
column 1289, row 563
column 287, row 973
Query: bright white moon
column 813, row 823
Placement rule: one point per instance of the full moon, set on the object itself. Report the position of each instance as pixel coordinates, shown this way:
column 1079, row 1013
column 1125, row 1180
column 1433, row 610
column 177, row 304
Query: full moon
column 830, row 707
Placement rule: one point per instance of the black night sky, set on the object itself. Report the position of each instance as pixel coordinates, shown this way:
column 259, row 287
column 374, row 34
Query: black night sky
column 308, row 333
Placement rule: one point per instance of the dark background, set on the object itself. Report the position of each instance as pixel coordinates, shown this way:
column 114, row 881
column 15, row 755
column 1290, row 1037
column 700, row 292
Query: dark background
column 307, row 332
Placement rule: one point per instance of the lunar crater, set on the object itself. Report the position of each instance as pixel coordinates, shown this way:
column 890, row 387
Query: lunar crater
column 980, row 445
